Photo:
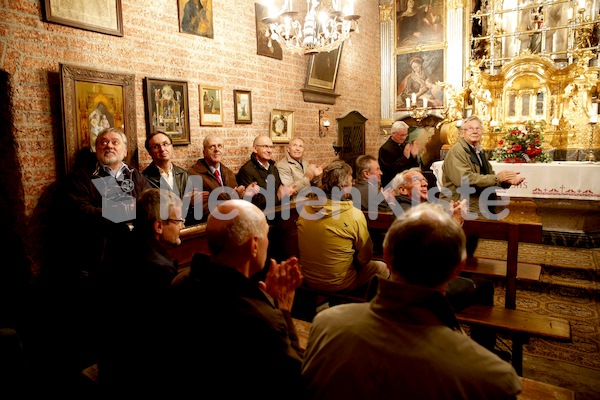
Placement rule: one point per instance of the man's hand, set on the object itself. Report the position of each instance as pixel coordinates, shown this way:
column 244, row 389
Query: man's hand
column 197, row 197
column 509, row 176
column 389, row 195
column 411, row 149
column 286, row 190
column 314, row 171
column 251, row 190
column 458, row 210
column 281, row 282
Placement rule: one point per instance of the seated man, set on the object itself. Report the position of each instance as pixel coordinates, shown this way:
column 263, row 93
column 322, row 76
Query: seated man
column 333, row 239
column 408, row 331
column 368, row 183
column 230, row 334
column 294, row 170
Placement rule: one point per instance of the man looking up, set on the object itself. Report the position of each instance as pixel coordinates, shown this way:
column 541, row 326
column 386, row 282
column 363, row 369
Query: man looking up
column 293, row 169
column 395, row 155
column 215, row 174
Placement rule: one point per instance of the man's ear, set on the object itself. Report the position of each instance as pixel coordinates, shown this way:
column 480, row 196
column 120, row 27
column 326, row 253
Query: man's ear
column 402, row 190
column 254, row 246
column 158, row 227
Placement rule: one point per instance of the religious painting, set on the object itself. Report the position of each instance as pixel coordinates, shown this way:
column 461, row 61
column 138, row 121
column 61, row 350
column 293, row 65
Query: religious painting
column 419, row 22
column 281, row 128
column 242, row 102
column 264, row 47
column 167, row 109
column 323, row 69
column 196, row 17
column 92, row 101
column 417, row 78
column 211, row 105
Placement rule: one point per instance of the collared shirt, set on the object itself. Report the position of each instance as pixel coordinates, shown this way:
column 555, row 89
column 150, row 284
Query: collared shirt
column 213, row 169
column 167, row 176
column 120, row 172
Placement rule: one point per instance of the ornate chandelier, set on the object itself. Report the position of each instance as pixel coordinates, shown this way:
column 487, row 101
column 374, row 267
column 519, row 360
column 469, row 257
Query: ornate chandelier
column 327, row 24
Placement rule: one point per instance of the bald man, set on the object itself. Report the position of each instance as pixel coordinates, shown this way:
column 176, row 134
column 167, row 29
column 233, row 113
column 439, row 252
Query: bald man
column 395, row 155
column 235, row 334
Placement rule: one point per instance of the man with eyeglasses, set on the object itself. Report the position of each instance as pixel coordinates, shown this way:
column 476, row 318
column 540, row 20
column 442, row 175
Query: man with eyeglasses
column 132, row 285
column 396, row 155
column 261, row 167
column 467, row 161
column 215, row 175
column 162, row 173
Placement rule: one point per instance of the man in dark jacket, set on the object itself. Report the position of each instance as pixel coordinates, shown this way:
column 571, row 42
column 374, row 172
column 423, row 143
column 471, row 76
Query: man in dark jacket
column 396, row 155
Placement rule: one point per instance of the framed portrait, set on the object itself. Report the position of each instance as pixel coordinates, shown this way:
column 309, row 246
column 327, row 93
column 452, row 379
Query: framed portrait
column 211, row 105
column 323, row 69
column 92, row 101
column 196, row 17
column 242, row 102
column 281, row 128
column 417, row 75
column 167, row 109
column 104, row 16
column 419, row 22
column 263, row 48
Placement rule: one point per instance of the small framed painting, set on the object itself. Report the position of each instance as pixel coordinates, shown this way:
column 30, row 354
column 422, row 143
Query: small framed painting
column 196, row 17
column 167, row 109
column 281, row 126
column 211, row 106
column 242, row 102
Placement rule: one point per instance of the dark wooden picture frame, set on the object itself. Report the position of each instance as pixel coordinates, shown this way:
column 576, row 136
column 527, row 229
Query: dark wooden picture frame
column 419, row 22
column 409, row 78
column 262, row 41
column 90, row 96
column 196, row 18
column 211, row 105
column 323, row 69
column 167, row 109
column 80, row 15
column 281, row 127
column 242, row 102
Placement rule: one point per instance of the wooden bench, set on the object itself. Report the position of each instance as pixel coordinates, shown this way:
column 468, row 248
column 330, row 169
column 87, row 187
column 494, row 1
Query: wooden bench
column 532, row 390
column 521, row 325
column 526, row 272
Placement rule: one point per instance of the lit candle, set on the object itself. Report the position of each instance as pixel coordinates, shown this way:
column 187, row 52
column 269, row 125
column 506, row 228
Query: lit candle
column 493, row 123
column 424, row 102
column 594, row 108
column 554, row 121
column 349, row 7
column 414, row 98
column 594, row 119
column 581, row 4
column 570, row 13
column 407, row 102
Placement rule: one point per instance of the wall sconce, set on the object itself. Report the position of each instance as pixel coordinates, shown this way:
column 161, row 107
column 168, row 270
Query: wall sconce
column 324, row 123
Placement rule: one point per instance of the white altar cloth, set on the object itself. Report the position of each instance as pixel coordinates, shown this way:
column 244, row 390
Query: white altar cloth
column 556, row 180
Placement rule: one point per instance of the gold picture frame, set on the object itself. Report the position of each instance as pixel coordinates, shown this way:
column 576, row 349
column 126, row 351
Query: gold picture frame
column 91, row 98
column 167, row 109
column 106, row 17
column 242, row 102
column 281, row 127
column 211, row 105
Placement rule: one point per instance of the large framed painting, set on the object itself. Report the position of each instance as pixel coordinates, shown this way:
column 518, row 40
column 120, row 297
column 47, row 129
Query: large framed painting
column 104, row 16
column 211, row 105
column 419, row 22
column 263, row 47
column 92, row 101
column 167, row 109
column 196, row 17
column 323, row 69
column 281, row 128
column 417, row 77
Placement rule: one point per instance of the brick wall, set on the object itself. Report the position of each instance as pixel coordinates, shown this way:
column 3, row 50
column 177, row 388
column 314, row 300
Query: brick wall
column 31, row 51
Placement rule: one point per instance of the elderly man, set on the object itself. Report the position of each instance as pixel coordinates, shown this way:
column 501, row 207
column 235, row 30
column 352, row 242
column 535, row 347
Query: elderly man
column 395, row 155
column 408, row 331
column 294, row 170
column 261, row 168
column 466, row 162
column 225, row 320
column 368, row 184
column 215, row 174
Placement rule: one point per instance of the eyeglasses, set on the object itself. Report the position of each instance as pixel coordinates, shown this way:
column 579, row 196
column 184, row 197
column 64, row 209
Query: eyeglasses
column 266, row 146
column 158, row 146
column 474, row 129
column 177, row 221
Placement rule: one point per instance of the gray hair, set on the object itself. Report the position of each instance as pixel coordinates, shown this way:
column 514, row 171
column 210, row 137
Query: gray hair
column 469, row 119
column 400, row 178
column 154, row 205
column 109, row 130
